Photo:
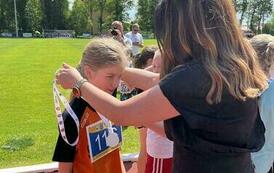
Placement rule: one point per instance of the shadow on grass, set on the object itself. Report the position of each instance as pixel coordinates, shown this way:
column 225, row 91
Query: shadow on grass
column 17, row 143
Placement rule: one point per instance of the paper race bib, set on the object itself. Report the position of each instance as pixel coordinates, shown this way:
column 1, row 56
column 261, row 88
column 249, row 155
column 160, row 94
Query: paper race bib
column 98, row 135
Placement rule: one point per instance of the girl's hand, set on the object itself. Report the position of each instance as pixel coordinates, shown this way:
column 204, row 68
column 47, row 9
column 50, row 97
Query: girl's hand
column 67, row 76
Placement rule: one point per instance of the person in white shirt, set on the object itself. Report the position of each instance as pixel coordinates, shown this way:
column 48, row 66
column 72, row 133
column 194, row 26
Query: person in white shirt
column 159, row 149
column 264, row 158
column 136, row 38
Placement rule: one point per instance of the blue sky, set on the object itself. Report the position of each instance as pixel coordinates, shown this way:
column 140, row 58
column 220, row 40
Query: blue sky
column 132, row 12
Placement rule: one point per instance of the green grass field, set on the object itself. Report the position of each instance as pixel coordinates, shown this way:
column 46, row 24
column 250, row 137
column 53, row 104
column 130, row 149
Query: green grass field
column 28, row 129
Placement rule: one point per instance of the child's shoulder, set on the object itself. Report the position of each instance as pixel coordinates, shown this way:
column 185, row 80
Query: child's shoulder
column 79, row 105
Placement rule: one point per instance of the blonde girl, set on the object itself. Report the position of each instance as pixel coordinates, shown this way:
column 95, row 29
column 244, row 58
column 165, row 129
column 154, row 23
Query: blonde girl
column 102, row 65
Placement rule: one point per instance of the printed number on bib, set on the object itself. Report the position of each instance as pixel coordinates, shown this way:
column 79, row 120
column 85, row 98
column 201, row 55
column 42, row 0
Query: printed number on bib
column 100, row 139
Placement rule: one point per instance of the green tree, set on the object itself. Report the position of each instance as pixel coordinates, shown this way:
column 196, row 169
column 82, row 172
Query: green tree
column 7, row 15
column 264, row 11
column 145, row 14
column 258, row 10
column 55, row 14
column 79, row 17
column 34, row 15
column 97, row 9
column 3, row 22
column 241, row 8
column 269, row 26
column 101, row 6
column 151, row 8
column 254, row 12
column 117, row 10
column 21, row 15
column 7, row 22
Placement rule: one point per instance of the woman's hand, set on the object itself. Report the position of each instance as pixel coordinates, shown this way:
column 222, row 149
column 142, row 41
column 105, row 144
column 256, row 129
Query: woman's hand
column 67, row 76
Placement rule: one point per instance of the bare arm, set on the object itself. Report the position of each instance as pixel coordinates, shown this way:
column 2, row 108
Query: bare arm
column 157, row 127
column 122, row 163
column 141, row 163
column 139, row 78
column 147, row 107
column 65, row 167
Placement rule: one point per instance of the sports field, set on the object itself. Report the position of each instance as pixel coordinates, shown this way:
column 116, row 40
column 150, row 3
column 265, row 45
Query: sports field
column 28, row 130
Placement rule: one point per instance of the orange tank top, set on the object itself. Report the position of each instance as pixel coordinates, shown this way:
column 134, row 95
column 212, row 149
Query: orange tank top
column 82, row 162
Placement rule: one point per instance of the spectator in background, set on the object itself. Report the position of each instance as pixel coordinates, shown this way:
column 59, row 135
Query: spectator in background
column 117, row 31
column 264, row 46
column 144, row 59
column 141, row 60
column 159, row 149
column 248, row 33
column 136, row 38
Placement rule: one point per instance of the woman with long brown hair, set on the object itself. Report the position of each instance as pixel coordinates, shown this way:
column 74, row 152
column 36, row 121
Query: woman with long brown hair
column 207, row 92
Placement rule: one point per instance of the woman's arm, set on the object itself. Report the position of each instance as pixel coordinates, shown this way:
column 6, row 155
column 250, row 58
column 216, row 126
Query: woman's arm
column 140, row 78
column 65, row 167
column 157, row 127
column 147, row 107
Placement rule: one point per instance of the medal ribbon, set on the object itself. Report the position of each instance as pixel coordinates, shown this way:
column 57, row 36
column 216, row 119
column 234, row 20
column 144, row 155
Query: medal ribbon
column 57, row 95
column 106, row 122
column 112, row 139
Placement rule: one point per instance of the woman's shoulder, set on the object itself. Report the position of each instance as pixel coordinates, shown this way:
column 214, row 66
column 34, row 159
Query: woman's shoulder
column 188, row 80
column 189, row 66
column 192, row 71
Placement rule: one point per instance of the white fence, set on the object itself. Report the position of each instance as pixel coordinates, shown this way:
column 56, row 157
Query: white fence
column 53, row 167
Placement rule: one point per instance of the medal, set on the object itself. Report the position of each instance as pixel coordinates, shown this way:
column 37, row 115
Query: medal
column 112, row 139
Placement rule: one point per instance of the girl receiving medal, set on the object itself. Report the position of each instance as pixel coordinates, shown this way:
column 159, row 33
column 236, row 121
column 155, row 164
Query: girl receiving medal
column 88, row 142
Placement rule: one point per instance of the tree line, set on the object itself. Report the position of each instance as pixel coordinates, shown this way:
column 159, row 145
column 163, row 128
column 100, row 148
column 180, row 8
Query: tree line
column 84, row 16
column 95, row 16
column 254, row 14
